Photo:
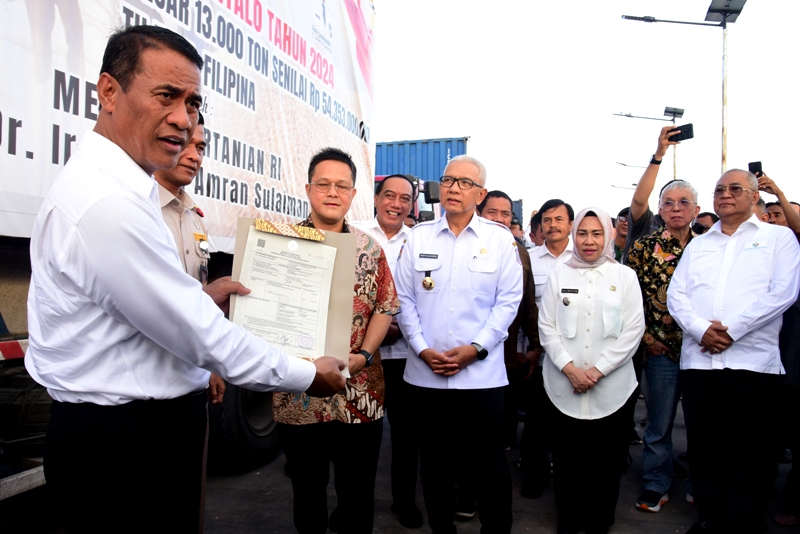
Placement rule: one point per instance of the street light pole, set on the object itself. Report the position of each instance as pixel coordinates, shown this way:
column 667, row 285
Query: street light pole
column 724, row 92
column 722, row 11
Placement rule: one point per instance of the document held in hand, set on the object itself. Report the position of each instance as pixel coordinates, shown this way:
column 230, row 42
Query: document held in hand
column 301, row 283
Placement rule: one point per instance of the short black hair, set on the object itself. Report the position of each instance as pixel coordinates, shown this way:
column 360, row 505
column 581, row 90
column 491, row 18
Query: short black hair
column 536, row 221
column 556, row 202
column 122, row 58
column 515, row 221
column 770, row 204
column 494, row 194
column 411, row 179
column 331, row 154
column 200, row 119
column 709, row 214
column 793, row 202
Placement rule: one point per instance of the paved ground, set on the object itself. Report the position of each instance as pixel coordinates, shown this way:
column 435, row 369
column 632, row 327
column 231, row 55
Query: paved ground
column 260, row 502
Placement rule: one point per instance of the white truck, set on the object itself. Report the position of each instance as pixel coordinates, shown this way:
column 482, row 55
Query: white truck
column 281, row 80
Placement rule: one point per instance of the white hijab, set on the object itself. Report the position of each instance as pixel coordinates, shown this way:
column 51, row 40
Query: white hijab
column 577, row 262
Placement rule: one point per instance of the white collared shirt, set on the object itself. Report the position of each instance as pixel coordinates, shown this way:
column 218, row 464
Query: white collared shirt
column 592, row 318
column 112, row 316
column 391, row 249
column 542, row 262
column 746, row 281
column 477, row 290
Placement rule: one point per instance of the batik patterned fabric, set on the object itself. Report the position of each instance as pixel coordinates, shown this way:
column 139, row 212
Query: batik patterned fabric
column 654, row 258
column 362, row 398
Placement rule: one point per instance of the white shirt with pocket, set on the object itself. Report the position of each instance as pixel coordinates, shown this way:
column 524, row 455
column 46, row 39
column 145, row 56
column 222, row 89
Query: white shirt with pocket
column 592, row 318
column 477, row 289
column 112, row 315
column 542, row 262
column 746, row 281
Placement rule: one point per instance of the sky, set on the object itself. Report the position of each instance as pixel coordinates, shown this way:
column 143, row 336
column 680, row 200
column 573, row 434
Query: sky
column 535, row 85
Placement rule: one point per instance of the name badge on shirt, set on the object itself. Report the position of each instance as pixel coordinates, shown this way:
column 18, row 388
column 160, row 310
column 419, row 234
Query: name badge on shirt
column 757, row 244
column 429, row 256
column 200, row 237
column 565, row 290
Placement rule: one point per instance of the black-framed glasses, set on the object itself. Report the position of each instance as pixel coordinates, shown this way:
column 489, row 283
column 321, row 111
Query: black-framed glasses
column 463, row 183
column 324, row 187
column 682, row 204
column 736, row 190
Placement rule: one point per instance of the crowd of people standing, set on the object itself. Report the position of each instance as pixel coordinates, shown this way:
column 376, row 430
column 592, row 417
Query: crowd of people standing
column 455, row 326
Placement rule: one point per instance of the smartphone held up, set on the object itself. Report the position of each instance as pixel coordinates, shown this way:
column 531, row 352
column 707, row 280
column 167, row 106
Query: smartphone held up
column 686, row 132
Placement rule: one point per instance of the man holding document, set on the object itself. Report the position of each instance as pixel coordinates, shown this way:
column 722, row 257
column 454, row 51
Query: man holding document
column 120, row 335
column 345, row 429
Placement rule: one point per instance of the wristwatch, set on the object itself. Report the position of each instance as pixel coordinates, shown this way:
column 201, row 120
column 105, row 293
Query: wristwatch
column 367, row 355
column 482, row 353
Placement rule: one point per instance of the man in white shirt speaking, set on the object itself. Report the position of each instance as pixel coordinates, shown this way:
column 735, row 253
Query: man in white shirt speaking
column 459, row 280
column 728, row 294
column 120, row 335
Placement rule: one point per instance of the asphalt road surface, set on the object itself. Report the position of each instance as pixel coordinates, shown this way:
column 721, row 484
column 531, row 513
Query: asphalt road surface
column 261, row 502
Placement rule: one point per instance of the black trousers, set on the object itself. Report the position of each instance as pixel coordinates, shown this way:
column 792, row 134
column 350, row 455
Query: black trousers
column 136, row 467
column 536, row 432
column 586, row 471
column 405, row 452
column 513, row 400
column 790, row 418
column 730, row 416
column 354, row 450
column 461, row 436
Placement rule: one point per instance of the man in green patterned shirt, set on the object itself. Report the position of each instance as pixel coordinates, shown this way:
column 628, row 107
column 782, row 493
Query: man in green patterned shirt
column 654, row 258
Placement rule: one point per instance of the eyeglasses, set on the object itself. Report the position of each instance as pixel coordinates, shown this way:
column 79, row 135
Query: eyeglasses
column 324, row 187
column 463, row 183
column 622, row 219
column 736, row 190
column 682, row 204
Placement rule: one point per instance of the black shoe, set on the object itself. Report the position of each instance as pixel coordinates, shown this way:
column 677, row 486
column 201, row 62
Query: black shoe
column 531, row 491
column 409, row 516
column 333, row 520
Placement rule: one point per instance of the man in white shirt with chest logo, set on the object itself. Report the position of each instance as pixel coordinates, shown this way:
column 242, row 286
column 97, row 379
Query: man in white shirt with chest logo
column 728, row 294
column 394, row 198
column 460, row 284
column 120, row 335
column 556, row 220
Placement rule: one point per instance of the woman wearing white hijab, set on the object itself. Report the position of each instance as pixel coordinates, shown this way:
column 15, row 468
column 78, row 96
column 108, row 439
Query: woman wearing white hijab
column 590, row 324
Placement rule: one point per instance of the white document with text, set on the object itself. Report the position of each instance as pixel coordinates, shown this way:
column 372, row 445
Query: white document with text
column 290, row 283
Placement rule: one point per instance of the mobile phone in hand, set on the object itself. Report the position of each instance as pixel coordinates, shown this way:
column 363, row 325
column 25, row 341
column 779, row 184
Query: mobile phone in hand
column 687, row 132
column 755, row 168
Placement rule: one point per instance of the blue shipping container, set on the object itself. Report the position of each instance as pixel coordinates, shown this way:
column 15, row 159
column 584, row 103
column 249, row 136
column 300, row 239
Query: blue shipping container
column 425, row 158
